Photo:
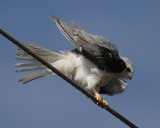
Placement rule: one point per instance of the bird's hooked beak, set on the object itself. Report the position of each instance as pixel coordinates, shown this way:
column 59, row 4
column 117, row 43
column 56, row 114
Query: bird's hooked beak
column 130, row 74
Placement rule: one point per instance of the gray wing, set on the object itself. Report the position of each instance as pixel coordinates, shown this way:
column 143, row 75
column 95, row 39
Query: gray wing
column 96, row 48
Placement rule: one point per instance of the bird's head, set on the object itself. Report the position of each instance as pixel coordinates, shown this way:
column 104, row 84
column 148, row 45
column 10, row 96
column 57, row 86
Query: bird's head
column 129, row 70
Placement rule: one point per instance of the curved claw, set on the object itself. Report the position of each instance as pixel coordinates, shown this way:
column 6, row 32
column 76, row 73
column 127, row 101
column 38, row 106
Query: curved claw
column 100, row 100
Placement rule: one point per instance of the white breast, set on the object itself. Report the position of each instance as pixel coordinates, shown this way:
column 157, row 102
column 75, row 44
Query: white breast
column 85, row 69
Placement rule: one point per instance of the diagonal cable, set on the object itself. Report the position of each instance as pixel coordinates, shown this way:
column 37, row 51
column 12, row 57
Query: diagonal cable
column 49, row 66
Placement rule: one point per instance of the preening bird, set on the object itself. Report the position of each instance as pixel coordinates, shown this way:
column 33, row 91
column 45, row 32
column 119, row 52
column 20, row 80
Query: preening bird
column 95, row 64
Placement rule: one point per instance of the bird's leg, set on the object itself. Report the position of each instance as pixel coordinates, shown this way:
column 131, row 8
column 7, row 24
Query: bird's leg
column 99, row 99
column 92, row 82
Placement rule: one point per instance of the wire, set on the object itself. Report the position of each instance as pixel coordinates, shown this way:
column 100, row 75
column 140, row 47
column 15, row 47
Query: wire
column 101, row 104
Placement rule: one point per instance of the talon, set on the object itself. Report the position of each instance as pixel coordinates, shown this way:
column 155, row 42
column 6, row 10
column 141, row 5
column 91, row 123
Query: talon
column 104, row 102
column 100, row 100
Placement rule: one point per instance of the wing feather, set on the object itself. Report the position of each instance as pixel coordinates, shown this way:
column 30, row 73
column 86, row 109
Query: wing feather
column 96, row 48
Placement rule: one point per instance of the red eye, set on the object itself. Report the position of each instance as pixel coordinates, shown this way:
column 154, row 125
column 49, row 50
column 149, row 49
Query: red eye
column 128, row 69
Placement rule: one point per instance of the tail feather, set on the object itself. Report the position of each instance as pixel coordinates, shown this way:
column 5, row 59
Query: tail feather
column 30, row 64
column 30, row 68
column 27, row 64
column 24, row 57
column 46, row 54
column 34, row 76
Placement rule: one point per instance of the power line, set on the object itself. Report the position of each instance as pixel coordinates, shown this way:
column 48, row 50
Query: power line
column 101, row 104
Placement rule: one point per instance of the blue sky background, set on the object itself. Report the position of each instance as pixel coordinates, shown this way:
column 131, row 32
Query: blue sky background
column 134, row 26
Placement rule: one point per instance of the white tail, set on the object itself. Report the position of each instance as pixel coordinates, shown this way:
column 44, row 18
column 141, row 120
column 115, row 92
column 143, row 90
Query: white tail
column 31, row 64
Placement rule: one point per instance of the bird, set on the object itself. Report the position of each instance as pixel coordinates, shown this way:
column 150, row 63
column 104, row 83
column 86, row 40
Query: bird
column 95, row 63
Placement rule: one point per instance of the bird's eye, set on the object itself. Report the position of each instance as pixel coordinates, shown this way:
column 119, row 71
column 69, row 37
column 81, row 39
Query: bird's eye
column 128, row 69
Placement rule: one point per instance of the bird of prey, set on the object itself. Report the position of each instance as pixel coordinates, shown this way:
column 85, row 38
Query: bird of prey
column 95, row 63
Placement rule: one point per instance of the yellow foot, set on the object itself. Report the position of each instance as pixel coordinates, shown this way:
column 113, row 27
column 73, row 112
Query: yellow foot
column 100, row 100
column 104, row 102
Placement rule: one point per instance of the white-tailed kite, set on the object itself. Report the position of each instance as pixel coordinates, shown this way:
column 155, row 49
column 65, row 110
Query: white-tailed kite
column 95, row 64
